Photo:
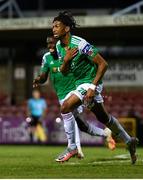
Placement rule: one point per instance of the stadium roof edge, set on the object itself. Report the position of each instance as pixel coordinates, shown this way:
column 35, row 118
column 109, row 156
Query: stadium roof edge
column 83, row 21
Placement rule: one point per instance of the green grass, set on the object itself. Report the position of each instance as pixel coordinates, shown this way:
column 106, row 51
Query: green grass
column 38, row 162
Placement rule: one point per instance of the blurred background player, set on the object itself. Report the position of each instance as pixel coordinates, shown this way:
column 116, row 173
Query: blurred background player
column 64, row 86
column 36, row 110
column 88, row 67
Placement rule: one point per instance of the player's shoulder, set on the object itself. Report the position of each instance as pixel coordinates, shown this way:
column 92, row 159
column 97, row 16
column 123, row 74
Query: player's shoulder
column 82, row 44
column 47, row 57
column 58, row 44
column 42, row 100
column 77, row 40
column 47, row 54
column 30, row 100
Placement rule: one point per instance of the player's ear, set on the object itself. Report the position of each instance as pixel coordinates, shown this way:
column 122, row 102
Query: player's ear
column 67, row 29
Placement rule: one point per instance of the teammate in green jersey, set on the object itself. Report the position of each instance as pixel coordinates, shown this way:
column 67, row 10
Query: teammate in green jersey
column 88, row 67
column 64, row 85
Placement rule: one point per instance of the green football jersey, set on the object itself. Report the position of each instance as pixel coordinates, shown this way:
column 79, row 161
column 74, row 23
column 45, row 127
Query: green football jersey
column 62, row 84
column 82, row 65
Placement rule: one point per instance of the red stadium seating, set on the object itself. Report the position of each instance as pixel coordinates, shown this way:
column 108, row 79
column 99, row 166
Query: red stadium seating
column 117, row 103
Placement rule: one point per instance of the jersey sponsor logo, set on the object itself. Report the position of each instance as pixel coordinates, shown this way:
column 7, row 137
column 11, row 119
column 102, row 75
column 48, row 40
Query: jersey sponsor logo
column 86, row 48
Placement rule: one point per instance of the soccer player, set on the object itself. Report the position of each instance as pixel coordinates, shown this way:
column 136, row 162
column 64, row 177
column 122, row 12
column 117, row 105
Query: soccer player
column 88, row 67
column 64, row 85
column 36, row 111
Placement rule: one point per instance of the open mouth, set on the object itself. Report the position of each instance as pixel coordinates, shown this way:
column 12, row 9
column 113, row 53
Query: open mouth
column 51, row 50
column 55, row 35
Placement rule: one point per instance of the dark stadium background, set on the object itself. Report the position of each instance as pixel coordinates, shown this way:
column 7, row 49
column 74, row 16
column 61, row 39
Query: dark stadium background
column 23, row 50
column 48, row 5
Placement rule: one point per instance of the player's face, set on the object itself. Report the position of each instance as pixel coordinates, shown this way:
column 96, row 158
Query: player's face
column 36, row 94
column 59, row 29
column 51, row 45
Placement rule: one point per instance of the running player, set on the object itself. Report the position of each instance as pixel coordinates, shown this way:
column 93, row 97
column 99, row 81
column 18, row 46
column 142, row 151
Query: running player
column 64, row 85
column 88, row 67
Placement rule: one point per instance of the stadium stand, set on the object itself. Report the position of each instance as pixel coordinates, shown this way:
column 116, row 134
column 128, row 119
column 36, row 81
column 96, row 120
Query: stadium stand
column 25, row 25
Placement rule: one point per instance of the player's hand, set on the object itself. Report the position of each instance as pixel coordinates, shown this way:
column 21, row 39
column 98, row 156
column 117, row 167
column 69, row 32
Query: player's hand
column 70, row 54
column 89, row 98
column 54, row 69
column 36, row 82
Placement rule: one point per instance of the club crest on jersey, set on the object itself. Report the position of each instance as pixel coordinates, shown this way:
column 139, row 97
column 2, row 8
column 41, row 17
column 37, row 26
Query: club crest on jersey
column 86, row 48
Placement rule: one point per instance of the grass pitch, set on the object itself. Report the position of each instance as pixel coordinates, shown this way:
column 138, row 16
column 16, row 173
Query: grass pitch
column 38, row 162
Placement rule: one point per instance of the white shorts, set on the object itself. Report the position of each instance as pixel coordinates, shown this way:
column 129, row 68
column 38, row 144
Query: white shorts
column 80, row 93
column 79, row 109
column 83, row 88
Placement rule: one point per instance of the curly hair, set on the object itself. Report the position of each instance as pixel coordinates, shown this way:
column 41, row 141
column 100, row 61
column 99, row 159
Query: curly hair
column 67, row 19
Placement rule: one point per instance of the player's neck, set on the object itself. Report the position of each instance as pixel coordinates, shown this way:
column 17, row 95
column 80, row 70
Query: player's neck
column 66, row 39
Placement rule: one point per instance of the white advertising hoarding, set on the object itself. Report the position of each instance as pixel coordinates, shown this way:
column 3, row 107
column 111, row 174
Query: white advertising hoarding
column 124, row 73
column 83, row 21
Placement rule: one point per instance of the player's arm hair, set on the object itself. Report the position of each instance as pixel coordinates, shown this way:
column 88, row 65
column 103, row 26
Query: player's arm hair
column 102, row 67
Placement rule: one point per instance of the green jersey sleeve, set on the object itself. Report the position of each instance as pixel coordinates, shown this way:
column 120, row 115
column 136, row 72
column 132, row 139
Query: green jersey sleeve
column 87, row 49
column 44, row 66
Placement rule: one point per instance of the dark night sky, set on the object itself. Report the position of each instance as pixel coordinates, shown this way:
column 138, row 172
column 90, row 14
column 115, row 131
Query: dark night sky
column 62, row 4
